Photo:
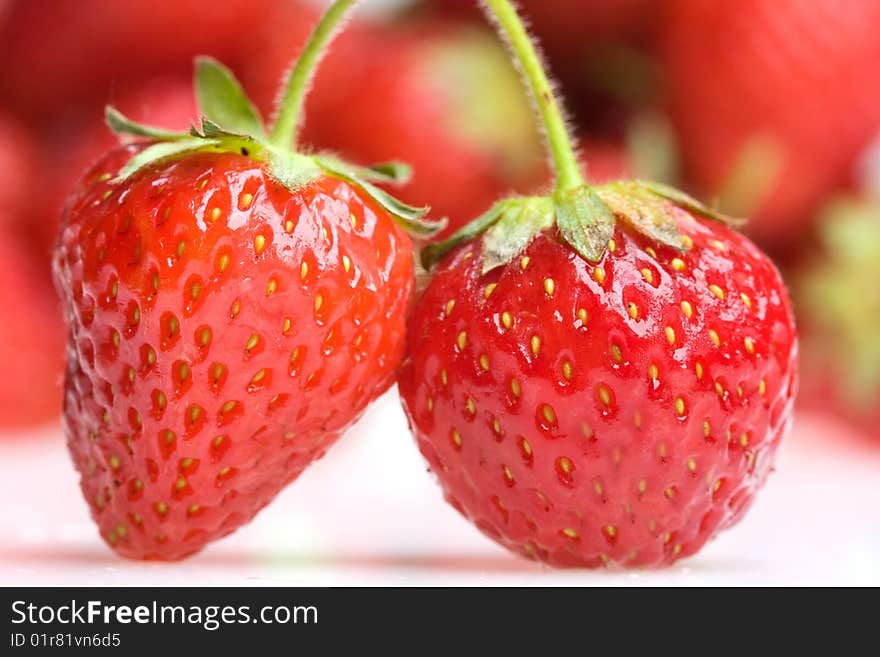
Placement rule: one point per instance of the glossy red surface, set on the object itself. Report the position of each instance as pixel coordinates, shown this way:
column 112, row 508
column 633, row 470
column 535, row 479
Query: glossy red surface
column 224, row 333
column 583, row 414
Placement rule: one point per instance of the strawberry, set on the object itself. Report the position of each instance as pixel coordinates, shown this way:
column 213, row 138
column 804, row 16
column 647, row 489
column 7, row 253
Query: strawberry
column 773, row 100
column 840, row 313
column 602, row 375
column 31, row 342
column 233, row 305
column 57, row 52
column 460, row 118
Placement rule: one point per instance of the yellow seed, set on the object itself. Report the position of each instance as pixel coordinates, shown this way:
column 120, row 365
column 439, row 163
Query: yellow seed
column 456, row 437
column 549, row 286
column 717, row 291
column 508, row 474
column 526, row 447
column 429, row 404
column 444, row 378
column 713, row 335
column 746, row 300
column 762, row 387
column 515, row 388
column 651, row 252
column 303, row 270
column 749, row 344
column 648, row 275
column 566, row 370
column 605, row 395
column 461, row 340
column 582, row 315
column 616, row 354
column 506, row 320
column 536, row 345
column 104, row 177
column 598, row 488
column 252, row 342
column 223, row 262
column 653, row 372
column 496, row 426
column 599, row 275
column 716, row 486
column 114, row 462
column 548, row 413
column 286, row 324
column 642, row 486
column 687, row 309
column 719, row 389
column 490, row 288
column 524, row 262
column 744, row 440
column 570, row 533
column 670, row 335
column 289, row 226
column 698, row 369
column 319, row 301
column 471, row 406
column 633, row 310
column 259, row 376
column 272, row 287
column 680, row 406
column 669, row 493
column 245, row 201
column 719, row 245
column 707, row 429
column 354, row 221
column 259, row 244
column 678, row 264
column 612, row 245
column 227, row 407
column 161, row 508
column 215, row 214
column 611, row 531
column 346, row 263
column 484, row 362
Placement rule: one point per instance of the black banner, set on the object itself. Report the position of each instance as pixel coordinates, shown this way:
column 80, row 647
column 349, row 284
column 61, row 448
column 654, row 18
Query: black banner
column 232, row 619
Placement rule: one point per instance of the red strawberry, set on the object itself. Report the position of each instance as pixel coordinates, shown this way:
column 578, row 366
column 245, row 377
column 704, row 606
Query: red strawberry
column 773, row 100
column 604, row 375
column 55, row 52
column 233, row 305
column 459, row 114
column 31, row 340
column 840, row 313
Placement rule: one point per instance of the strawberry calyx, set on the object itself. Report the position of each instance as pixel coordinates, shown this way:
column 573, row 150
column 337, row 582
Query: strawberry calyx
column 584, row 214
column 229, row 122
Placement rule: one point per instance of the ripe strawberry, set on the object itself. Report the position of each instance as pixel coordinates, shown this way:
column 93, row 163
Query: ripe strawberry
column 773, row 100
column 31, row 341
column 233, row 305
column 603, row 375
column 840, row 313
column 57, row 52
column 460, row 114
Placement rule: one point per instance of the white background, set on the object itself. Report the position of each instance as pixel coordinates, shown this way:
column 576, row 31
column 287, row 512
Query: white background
column 370, row 514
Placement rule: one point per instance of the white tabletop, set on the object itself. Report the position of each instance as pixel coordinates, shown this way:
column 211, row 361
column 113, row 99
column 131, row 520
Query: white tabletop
column 370, row 514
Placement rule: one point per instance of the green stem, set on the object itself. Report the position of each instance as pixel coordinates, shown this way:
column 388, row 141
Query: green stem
column 284, row 132
column 565, row 164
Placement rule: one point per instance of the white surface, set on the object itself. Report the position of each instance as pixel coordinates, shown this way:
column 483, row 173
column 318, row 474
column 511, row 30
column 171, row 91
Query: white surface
column 369, row 514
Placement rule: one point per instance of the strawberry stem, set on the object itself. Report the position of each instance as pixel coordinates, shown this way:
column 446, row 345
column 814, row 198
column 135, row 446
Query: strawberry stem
column 284, row 132
column 511, row 29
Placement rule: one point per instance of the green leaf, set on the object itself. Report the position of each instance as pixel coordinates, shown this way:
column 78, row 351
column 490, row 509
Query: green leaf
column 410, row 218
column 687, row 202
column 223, row 101
column 645, row 212
column 515, row 230
column 164, row 151
column 384, row 172
column 432, row 253
column 122, row 125
column 585, row 222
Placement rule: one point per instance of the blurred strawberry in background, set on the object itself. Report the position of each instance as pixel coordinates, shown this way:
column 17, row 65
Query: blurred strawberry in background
column 839, row 303
column 773, row 100
column 439, row 95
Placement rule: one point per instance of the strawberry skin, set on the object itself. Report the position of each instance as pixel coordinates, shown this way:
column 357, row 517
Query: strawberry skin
column 224, row 332
column 619, row 412
column 773, row 101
